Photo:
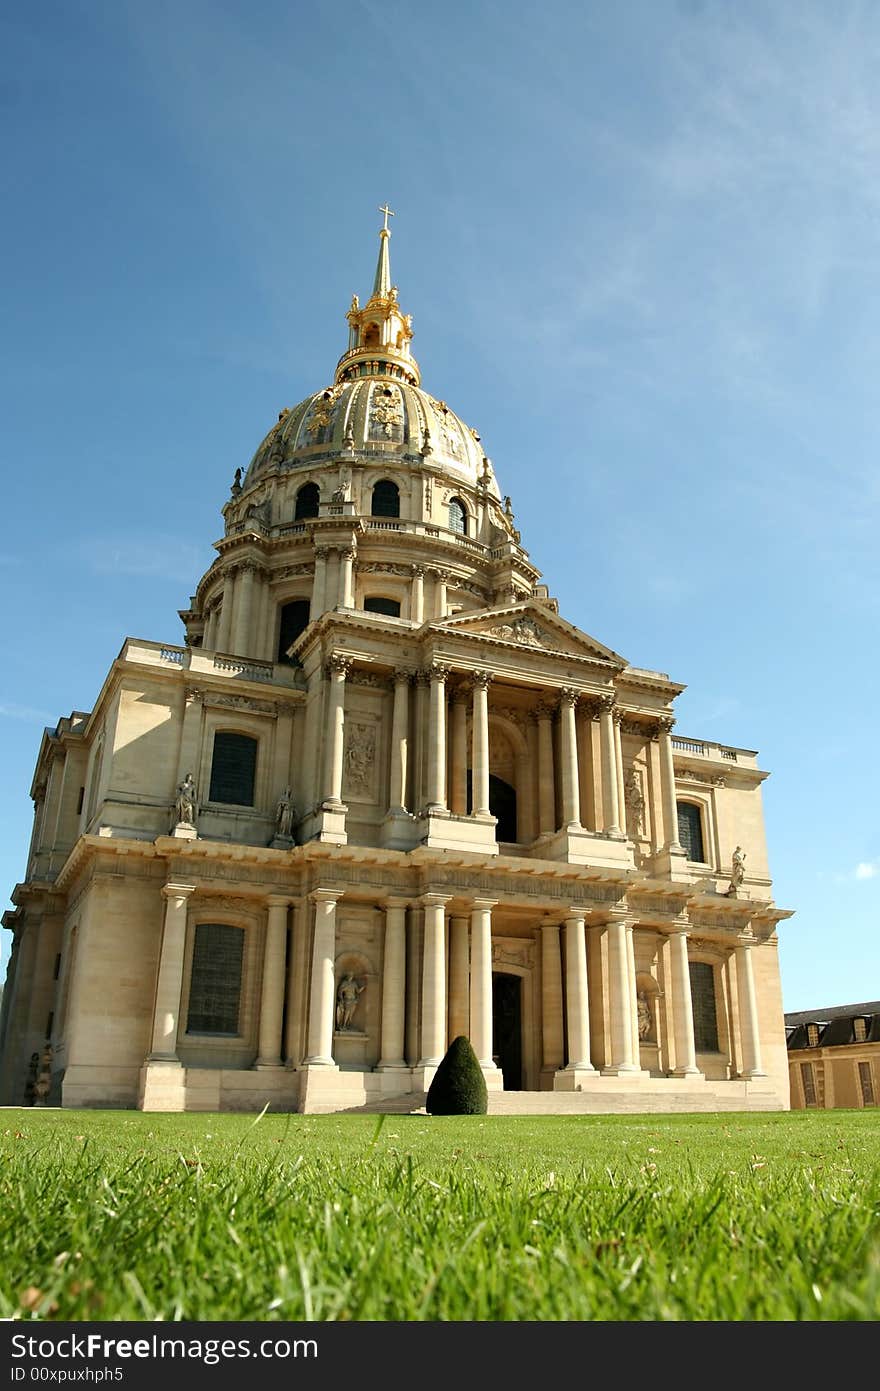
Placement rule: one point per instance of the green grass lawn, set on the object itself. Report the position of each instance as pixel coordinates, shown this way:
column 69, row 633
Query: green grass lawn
column 119, row 1215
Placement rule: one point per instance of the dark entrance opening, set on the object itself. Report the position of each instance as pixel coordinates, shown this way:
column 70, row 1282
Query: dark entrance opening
column 507, row 1028
column 502, row 804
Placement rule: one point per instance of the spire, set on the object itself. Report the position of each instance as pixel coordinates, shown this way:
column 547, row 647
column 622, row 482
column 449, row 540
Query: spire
column 382, row 282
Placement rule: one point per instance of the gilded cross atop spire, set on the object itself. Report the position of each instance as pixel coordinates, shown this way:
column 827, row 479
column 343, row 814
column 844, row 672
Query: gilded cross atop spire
column 382, row 281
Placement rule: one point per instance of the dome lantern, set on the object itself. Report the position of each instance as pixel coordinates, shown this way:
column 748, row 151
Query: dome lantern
column 379, row 333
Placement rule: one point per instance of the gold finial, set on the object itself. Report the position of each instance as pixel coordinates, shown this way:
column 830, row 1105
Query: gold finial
column 388, row 213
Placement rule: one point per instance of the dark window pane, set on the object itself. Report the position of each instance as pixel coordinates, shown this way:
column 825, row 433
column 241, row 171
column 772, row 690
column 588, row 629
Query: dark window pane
column 386, row 499
column 808, row 1084
column 703, row 1000
column 377, row 604
column 215, row 983
column 457, row 516
column 233, row 769
column 690, row 830
column 866, row 1082
column 307, row 500
column 294, row 620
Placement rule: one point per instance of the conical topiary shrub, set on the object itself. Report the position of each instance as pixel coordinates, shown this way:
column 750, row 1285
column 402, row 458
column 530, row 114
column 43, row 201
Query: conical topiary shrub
column 459, row 1087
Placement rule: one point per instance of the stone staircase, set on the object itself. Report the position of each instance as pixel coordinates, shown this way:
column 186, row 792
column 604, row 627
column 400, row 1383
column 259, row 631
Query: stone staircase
column 661, row 1097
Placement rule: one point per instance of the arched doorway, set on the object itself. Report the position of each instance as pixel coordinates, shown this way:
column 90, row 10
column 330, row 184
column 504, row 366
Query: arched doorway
column 507, row 1028
column 502, row 805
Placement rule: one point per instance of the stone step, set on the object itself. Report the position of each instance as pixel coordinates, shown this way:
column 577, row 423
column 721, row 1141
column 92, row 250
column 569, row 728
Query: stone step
column 595, row 1103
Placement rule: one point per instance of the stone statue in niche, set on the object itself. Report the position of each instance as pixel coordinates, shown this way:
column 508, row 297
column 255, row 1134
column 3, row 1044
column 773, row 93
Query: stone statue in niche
column 185, row 802
column 645, row 1019
column 347, row 996
column 635, row 801
column 285, row 812
column 737, row 872
column 43, row 1081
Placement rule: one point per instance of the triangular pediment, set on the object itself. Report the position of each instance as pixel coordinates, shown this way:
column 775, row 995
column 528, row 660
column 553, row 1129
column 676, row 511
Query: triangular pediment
column 529, row 625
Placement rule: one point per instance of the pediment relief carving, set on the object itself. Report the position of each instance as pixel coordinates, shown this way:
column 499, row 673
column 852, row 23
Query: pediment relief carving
column 531, row 626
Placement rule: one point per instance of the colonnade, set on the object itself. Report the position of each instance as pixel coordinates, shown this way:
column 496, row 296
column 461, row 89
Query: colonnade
column 454, row 992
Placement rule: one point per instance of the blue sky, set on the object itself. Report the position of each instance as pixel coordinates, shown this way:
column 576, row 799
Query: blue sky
column 641, row 246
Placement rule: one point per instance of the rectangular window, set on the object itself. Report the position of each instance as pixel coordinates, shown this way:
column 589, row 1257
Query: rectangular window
column 233, row 769
column 703, row 999
column 690, row 831
column 808, row 1084
column 215, row 981
column 79, row 800
column 49, row 1022
column 866, row 1082
column 57, row 971
column 813, row 1035
column 860, row 1029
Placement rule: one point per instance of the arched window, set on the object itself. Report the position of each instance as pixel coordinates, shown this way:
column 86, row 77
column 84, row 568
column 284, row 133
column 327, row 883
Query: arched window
column 307, row 502
column 457, row 516
column 215, row 980
column 371, row 338
column 377, row 603
column 233, row 769
column 703, row 1000
column 690, row 830
column 386, row 499
column 294, row 620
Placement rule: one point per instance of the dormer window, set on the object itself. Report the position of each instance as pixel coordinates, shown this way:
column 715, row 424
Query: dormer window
column 812, row 1035
column 860, row 1029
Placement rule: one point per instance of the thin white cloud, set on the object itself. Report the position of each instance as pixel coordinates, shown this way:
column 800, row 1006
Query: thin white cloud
column 26, row 713
column 868, row 869
column 160, row 557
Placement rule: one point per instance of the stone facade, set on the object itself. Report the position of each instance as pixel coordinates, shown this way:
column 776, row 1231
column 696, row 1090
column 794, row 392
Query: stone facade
column 385, row 794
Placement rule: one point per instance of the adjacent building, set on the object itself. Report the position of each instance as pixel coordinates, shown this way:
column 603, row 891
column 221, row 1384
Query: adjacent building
column 383, row 794
column 834, row 1055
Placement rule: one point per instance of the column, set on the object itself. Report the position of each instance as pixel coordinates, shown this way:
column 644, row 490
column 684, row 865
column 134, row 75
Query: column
column 586, row 766
column 610, row 797
column 242, row 635
column 209, row 641
column 546, row 785
column 551, row 997
column 319, row 586
column 568, row 756
column 272, row 992
column 617, row 717
column 682, row 1006
column 459, row 985
column 578, row 1009
column 434, row 981
column 338, row 668
column 748, row 1013
column 533, row 820
column 399, row 741
column 618, row 980
column 224, row 625
column 323, row 997
column 633, row 994
column 166, row 1011
column 440, row 593
column 417, row 594
column 437, row 740
column 458, row 753
column 346, row 579
column 481, row 980
column 667, row 784
column 422, row 681
column 480, row 755
column 393, row 984
column 297, row 972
